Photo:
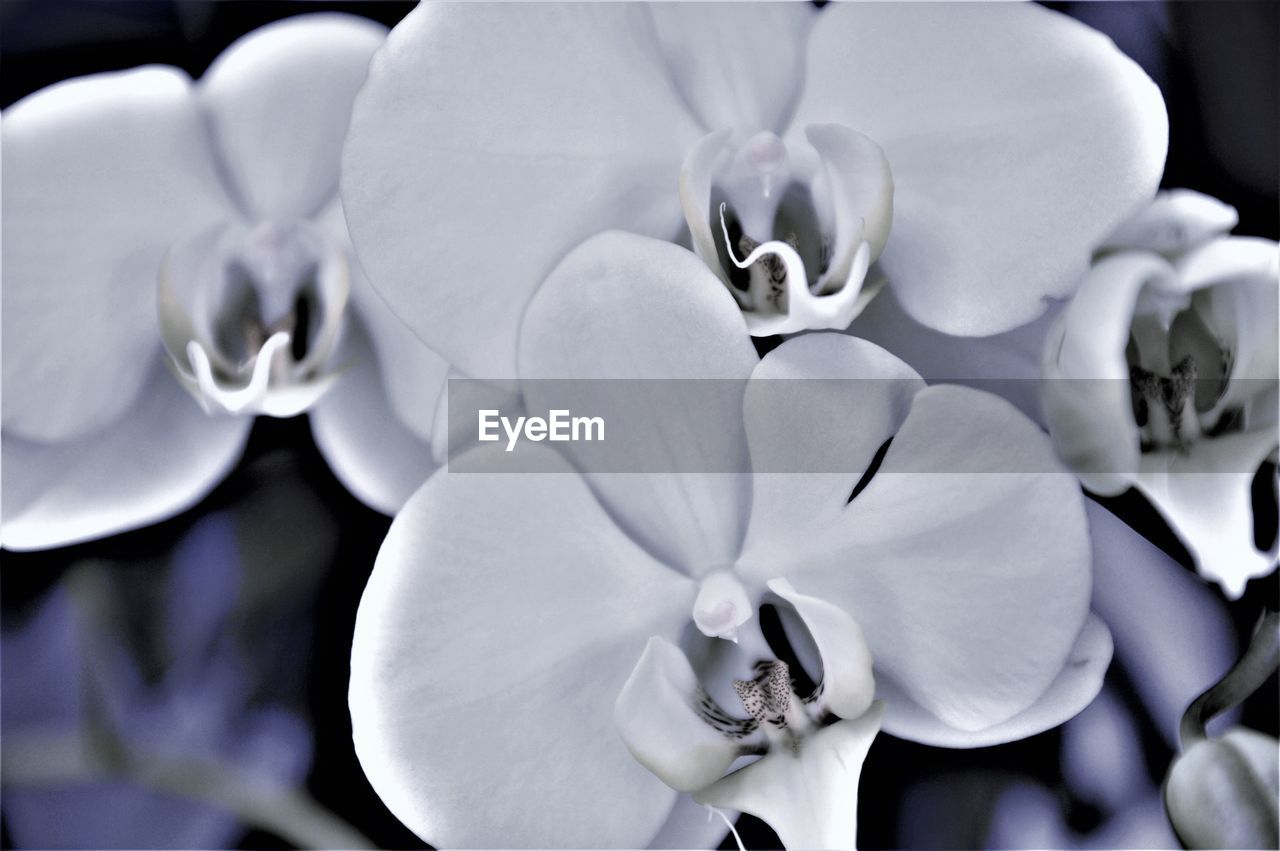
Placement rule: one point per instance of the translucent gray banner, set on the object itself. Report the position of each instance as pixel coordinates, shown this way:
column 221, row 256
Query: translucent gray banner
column 820, row 426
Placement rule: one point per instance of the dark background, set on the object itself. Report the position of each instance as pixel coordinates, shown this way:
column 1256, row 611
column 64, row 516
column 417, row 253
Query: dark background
column 1216, row 63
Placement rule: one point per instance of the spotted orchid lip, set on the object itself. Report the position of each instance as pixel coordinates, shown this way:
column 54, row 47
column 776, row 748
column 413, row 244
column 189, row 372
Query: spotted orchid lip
column 682, row 734
column 250, row 320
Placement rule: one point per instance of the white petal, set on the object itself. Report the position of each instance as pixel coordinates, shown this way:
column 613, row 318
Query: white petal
column 964, row 560
column 1087, row 399
column 739, row 66
column 862, row 191
column 101, row 175
column 503, row 616
column 848, row 686
column 375, row 453
column 489, row 141
column 1006, row 364
column 1139, row 590
column 1205, row 494
column 658, row 718
column 1174, row 222
column 627, row 307
column 692, row 825
column 809, row 797
column 160, row 458
column 1018, row 139
column 279, row 100
column 410, row 370
column 817, row 410
column 1070, row 692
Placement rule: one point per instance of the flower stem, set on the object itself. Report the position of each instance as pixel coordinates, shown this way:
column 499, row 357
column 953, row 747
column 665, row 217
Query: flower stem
column 1259, row 661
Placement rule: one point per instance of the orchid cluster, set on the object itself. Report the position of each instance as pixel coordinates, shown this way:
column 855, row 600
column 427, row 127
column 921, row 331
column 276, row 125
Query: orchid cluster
column 915, row 257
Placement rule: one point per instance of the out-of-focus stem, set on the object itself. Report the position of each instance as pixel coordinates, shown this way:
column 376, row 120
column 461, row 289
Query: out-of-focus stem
column 55, row 759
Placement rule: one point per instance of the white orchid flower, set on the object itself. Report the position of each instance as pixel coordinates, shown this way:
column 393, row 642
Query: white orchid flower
column 548, row 658
column 1003, row 140
column 1161, row 374
column 155, row 227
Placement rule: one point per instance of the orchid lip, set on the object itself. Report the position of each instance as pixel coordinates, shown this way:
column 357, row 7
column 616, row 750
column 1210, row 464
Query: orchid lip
column 214, row 317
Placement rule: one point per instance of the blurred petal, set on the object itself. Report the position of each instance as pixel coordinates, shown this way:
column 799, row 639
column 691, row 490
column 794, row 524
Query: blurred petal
column 1206, row 495
column 101, row 175
column 377, row 456
column 1017, row 137
column 157, row 460
column 1222, row 792
column 658, row 717
column 738, row 66
column 467, row 695
column 1102, row 757
column 626, row 307
column 1075, row 686
column 964, row 560
column 480, row 119
column 1139, row 590
column 279, row 101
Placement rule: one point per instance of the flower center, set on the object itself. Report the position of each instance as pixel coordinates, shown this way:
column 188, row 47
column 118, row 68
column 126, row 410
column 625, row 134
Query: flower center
column 250, row 319
column 808, row 222
column 1178, row 372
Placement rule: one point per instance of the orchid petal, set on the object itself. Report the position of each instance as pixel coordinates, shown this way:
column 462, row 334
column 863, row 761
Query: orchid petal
column 1139, row 590
column 158, row 459
column 1070, row 692
column 809, row 797
column 1174, row 222
column 1086, row 393
column 409, row 370
column 1205, row 494
column 742, row 70
column 817, row 410
column 693, row 825
column 1239, row 284
column 279, row 100
column 1006, row 364
column 848, row 686
column 658, row 717
column 984, row 112
column 626, row 307
column 377, row 455
column 861, row 188
column 978, row 616
column 532, row 127
column 519, row 727
column 101, row 175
